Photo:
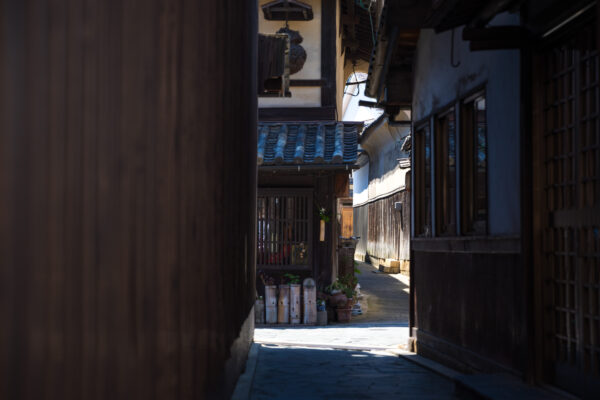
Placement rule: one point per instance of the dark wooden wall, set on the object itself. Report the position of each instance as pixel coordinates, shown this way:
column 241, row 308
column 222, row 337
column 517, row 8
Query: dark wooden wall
column 360, row 228
column 389, row 229
column 384, row 231
column 470, row 303
column 127, row 197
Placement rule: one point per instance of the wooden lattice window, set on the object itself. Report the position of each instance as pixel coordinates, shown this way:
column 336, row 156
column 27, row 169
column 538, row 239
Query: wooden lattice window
column 570, row 150
column 284, row 228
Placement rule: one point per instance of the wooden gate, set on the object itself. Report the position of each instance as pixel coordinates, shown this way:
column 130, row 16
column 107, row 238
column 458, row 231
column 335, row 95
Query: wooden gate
column 347, row 221
column 567, row 173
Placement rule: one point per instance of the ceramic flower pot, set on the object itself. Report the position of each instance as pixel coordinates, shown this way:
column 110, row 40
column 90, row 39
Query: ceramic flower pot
column 322, row 317
column 338, row 300
column 343, row 314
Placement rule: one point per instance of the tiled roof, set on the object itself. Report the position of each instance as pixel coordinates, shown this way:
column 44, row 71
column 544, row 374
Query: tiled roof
column 306, row 143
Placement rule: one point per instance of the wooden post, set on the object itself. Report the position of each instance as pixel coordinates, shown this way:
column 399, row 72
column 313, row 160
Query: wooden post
column 283, row 307
column 295, row 303
column 310, row 301
column 271, row 304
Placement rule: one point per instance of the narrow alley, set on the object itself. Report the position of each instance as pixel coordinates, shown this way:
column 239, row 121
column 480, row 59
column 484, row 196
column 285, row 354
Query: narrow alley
column 358, row 360
column 305, row 372
column 299, row 199
column 364, row 359
column 383, row 324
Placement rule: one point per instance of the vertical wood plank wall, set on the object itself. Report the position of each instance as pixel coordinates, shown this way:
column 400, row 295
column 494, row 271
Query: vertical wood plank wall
column 384, row 232
column 127, row 197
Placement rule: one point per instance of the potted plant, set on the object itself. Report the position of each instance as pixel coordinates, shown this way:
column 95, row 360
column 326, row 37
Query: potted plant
column 336, row 294
column 295, row 288
column 321, row 312
column 342, row 294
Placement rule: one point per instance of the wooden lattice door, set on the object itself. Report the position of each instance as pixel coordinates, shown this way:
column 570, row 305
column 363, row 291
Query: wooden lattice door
column 569, row 151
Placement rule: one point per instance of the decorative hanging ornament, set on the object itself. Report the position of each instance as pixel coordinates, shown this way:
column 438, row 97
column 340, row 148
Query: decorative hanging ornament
column 297, row 52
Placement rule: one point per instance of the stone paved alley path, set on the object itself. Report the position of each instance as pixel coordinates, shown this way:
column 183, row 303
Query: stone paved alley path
column 345, row 360
column 384, row 323
column 364, row 359
column 386, row 296
column 307, row 373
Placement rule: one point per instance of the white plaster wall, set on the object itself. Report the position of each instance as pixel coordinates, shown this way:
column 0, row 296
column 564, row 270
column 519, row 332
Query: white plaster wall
column 311, row 32
column 360, row 179
column 385, row 174
column 438, row 84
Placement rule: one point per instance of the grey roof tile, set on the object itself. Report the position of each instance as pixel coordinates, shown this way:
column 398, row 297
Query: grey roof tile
column 302, row 143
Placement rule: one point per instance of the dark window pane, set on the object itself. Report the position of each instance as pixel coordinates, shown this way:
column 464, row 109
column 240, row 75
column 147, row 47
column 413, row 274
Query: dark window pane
column 283, row 227
column 422, row 154
column 446, row 174
column 474, row 167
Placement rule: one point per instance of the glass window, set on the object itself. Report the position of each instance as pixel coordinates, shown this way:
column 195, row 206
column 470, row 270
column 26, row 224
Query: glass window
column 474, row 208
column 422, row 154
column 445, row 173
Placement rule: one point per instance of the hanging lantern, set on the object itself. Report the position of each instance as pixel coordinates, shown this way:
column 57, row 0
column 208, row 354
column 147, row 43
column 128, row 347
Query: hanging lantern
column 297, row 53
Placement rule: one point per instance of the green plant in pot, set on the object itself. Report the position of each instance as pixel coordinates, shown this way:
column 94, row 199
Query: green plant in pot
column 292, row 279
column 337, row 297
column 349, row 281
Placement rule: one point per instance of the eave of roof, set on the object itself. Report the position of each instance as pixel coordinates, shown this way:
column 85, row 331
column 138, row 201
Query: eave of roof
column 398, row 19
column 372, row 127
column 315, row 144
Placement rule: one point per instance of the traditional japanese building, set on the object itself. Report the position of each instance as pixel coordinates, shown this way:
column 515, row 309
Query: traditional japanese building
column 505, row 192
column 381, row 198
column 305, row 153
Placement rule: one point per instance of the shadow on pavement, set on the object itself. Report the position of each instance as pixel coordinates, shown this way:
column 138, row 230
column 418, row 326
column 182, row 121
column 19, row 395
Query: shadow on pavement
column 304, row 373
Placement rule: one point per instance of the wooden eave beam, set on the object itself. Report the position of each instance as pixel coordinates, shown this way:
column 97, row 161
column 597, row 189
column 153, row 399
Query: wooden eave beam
column 497, row 37
column 439, row 12
column 489, row 11
column 409, row 16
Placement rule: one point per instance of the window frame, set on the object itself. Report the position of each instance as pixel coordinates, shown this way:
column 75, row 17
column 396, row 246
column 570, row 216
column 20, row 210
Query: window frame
column 307, row 194
column 446, row 215
column 469, row 207
column 422, row 181
column 431, row 122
